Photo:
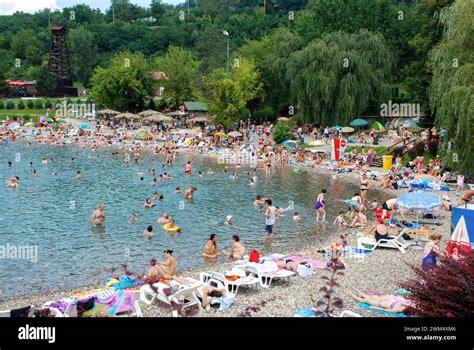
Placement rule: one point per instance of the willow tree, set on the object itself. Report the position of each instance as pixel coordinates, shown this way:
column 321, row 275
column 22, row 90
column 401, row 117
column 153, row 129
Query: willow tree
column 335, row 78
column 452, row 87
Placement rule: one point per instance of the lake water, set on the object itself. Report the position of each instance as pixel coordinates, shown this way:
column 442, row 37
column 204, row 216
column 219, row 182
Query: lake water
column 53, row 213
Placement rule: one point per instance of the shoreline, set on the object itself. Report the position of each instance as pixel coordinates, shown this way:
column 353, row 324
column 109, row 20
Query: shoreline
column 300, row 291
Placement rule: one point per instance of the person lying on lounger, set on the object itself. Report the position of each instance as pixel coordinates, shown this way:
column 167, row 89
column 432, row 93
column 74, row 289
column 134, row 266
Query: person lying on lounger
column 208, row 291
column 389, row 303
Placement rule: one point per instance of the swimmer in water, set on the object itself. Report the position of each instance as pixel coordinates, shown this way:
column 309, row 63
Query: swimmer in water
column 54, row 173
column 35, row 172
column 13, row 181
column 44, row 161
column 199, row 174
column 259, row 201
column 140, row 173
column 164, row 219
column 172, row 225
column 148, row 232
column 177, row 191
column 78, row 175
column 162, row 198
column 228, row 220
column 154, row 182
column 133, row 218
column 209, row 171
column 296, row 216
column 187, row 168
column 9, row 164
column 251, row 183
column 155, row 195
column 189, row 193
column 98, row 216
column 148, row 203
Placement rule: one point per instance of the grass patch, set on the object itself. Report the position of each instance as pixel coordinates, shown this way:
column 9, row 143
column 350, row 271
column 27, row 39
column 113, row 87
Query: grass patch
column 18, row 113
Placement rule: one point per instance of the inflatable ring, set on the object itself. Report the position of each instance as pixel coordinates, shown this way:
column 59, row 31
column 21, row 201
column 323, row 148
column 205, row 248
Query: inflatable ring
column 173, row 229
column 297, row 170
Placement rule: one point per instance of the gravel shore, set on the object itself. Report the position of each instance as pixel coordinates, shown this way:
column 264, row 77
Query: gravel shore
column 380, row 271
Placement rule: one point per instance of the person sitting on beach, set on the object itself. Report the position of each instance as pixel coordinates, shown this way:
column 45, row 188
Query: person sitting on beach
column 153, row 275
column 340, row 221
column 360, row 219
column 296, row 216
column 167, row 269
column 389, row 303
column 148, row 232
column 148, row 203
column 133, row 218
column 164, row 219
column 237, row 251
column 98, row 216
column 210, row 249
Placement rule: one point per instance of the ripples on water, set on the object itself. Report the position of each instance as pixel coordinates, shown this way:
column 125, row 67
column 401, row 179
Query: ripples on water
column 54, row 213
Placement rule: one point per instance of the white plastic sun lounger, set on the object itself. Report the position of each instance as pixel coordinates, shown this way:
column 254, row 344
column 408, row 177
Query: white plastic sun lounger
column 267, row 272
column 231, row 286
column 397, row 242
column 184, row 295
column 216, row 284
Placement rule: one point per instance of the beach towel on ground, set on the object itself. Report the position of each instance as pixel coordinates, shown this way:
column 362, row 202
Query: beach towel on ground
column 369, row 307
column 314, row 263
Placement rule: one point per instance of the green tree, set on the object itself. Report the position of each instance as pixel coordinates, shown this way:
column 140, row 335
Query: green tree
column 125, row 84
column 181, row 69
column 452, row 88
column 45, row 84
column 83, row 54
column 282, row 131
column 28, row 47
column 227, row 96
column 334, row 79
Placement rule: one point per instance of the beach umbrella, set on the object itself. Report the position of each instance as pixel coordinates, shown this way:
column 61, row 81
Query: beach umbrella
column 29, row 124
column 290, row 143
column 347, row 129
column 84, row 126
column 356, row 123
column 108, row 111
column 283, row 119
column 235, row 134
column 199, row 120
column 128, row 116
column 176, row 114
column 337, row 127
column 147, row 113
column 63, row 121
column 418, row 200
column 317, row 143
column 221, row 134
column 378, row 126
column 459, row 239
column 159, row 118
column 14, row 125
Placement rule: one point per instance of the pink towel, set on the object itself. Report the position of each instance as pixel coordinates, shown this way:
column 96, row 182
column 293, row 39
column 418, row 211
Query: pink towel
column 314, row 263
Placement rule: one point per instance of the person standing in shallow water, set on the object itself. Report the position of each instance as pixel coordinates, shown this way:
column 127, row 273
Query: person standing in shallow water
column 320, row 206
column 98, row 216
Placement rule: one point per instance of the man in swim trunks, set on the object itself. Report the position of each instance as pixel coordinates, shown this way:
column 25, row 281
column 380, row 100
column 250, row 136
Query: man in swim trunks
column 189, row 193
column 389, row 205
column 98, row 216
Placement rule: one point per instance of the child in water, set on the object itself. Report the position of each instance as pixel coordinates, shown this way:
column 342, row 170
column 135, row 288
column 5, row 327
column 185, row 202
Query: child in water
column 296, row 216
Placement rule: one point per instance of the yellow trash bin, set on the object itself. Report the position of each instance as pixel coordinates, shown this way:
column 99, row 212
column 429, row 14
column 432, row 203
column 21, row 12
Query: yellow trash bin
column 387, row 162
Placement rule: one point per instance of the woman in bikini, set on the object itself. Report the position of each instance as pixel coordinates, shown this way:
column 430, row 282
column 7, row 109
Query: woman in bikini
column 167, row 268
column 389, row 303
column 364, row 187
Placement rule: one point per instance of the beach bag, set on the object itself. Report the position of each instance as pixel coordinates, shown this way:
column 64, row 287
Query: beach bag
column 254, row 256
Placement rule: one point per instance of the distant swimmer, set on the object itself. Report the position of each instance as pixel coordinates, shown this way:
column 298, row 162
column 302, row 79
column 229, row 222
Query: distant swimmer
column 44, row 161
column 133, row 218
column 13, row 181
column 296, row 216
column 259, row 201
column 154, row 182
column 148, row 203
column 209, row 171
column 98, row 216
column 189, row 193
column 228, row 220
column 164, row 219
column 187, row 168
column 35, row 172
column 177, row 191
column 148, row 232
column 78, row 175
